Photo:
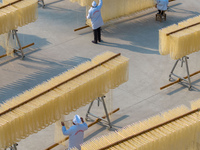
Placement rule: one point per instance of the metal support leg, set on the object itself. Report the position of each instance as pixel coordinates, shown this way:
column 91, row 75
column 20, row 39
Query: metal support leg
column 88, row 112
column 13, row 147
column 188, row 74
column 105, row 109
column 183, row 59
column 170, row 75
column 19, row 44
column 42, row 3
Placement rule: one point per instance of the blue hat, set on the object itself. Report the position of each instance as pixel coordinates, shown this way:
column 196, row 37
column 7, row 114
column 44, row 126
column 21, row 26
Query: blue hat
column 77, row 119
column 94, row 4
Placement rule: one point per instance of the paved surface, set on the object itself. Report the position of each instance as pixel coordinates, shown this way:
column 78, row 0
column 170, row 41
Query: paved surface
column 58, row 48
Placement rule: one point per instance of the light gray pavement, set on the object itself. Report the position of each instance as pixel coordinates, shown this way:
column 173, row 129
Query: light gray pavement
column 58, row 48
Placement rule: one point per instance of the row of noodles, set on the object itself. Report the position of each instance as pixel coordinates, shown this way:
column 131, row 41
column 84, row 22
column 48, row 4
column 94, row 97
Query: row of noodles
column 113, row 9
column 180, row 134
column 181, row 43
column 63, row 99
column 18, row 14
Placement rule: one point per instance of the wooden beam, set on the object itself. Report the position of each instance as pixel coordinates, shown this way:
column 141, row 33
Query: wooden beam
column 93, row 123
column 81, row 28
column 183, row 28
column 28, row 45
column 179, row 80
column 18, row 49
column 10, row 4
column 3, row 55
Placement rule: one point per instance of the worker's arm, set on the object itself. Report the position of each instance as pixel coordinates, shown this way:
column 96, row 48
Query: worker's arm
column 89, row 16
column 85, row 126
column 100, row 4
column 64, row 130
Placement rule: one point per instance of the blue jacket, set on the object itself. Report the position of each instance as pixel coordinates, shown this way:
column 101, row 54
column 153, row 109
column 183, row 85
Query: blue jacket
column 162, row 4
column 95, row 15
column 76, row 135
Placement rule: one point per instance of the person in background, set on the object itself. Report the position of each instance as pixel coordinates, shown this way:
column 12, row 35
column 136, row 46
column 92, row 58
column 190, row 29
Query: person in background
column 75, row 132
column 162, row 6
column 95, row 15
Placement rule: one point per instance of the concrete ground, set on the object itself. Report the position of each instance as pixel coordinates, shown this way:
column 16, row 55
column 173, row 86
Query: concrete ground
column 58, row 48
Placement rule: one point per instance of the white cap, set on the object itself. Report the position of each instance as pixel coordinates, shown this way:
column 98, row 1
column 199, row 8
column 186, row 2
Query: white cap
column 77, row 119
column 94, row 4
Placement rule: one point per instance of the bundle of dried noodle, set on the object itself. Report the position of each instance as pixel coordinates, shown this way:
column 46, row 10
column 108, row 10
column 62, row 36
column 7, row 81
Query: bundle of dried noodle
column 18, row 14
column 13, row 16
column 181, row 43
column 178, row 134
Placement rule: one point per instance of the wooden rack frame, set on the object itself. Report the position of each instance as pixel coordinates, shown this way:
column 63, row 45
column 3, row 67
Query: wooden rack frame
column 187, row 78
column 178, row 80
column 14, row 33
column 43, row 5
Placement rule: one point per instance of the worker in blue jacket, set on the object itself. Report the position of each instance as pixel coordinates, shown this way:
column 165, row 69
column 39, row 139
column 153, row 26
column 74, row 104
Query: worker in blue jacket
column 95, row 15
column 75, row 132
column 162, row 6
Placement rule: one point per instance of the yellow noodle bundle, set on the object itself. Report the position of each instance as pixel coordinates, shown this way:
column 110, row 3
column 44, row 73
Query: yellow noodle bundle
column 195, row 104
column 83, row 2
column 113, row 9
column 63, row 99
column 181, row 43
column 18, row 14
column 179, row 134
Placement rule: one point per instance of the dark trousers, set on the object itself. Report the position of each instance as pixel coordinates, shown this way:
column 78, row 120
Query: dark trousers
column 97, row 34
column 160, row 12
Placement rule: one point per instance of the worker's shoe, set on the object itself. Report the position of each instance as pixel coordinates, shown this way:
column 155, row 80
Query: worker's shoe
column 94, row 42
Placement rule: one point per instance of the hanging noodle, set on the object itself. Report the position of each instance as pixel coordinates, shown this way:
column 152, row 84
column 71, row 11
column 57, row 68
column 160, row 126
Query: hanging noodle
column 181, row 43
column 18, row 14
column 13, row 16
column 48, row 107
